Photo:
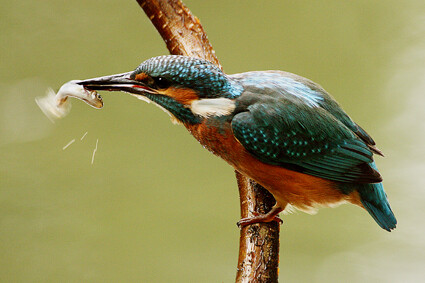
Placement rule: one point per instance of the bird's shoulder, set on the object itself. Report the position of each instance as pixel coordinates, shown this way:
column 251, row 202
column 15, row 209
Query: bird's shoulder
column 282, row 86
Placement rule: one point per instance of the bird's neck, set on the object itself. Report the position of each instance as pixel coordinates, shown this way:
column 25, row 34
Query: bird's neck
column 182, row 114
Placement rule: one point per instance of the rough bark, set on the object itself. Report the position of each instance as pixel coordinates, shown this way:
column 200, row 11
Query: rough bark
column 181, row 31
column 259, row 243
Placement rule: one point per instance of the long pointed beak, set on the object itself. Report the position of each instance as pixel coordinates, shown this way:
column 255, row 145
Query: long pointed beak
column 118, row 82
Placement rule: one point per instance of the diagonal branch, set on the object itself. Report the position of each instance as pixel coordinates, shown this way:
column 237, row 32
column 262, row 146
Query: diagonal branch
column 180, row 30
column 259, row 243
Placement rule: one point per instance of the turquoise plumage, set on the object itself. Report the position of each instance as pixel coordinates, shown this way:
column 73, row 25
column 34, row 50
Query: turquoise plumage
column 282, row 130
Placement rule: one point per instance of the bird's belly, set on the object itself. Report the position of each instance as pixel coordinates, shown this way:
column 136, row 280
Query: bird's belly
column 302, row 191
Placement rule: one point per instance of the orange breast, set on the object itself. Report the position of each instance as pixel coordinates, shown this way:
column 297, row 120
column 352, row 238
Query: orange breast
column 300, row 190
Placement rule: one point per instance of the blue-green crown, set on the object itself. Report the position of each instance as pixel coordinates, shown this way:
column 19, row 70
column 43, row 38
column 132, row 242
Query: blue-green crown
column 197, row 74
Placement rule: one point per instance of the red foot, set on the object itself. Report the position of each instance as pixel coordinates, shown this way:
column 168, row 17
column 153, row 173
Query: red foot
column 259, row 218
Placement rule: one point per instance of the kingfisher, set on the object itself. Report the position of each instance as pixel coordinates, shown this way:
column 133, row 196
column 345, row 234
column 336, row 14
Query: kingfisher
column 277, row 128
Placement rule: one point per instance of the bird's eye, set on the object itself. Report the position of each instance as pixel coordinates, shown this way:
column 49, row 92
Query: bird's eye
column 161, row 82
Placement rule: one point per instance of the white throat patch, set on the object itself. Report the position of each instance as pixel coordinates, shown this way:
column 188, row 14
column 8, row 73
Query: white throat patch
column 208, row 107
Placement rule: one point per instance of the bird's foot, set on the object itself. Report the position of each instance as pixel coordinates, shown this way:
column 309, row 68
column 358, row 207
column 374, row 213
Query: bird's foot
column 260, row 218
column 272, row 215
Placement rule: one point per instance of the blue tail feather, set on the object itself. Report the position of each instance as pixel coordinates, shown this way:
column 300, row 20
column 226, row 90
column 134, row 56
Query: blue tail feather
column 374, row 200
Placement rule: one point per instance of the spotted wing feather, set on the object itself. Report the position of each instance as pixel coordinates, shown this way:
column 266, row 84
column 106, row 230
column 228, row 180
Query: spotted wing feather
column 305, row 139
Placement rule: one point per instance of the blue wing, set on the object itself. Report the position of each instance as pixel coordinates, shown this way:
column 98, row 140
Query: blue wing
column 287, row 126
column 306, row 91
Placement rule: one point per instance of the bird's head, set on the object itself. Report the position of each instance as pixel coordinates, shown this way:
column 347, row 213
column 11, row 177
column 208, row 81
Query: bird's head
column 190, row 89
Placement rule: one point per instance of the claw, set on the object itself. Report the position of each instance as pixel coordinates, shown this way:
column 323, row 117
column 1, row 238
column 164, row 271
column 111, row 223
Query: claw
column 272, row 215
column 257, row 219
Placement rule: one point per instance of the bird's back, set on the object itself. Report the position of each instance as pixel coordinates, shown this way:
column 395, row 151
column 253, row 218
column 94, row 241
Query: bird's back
column 290, row 121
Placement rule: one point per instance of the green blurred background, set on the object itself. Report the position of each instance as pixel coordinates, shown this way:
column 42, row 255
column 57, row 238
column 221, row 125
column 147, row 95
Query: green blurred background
column 155, row 206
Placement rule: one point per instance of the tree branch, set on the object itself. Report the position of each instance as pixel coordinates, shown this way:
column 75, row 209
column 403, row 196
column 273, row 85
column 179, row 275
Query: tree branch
column 259, row 243
column 180, row 30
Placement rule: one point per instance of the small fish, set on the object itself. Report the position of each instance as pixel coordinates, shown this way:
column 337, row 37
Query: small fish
column 56, row 105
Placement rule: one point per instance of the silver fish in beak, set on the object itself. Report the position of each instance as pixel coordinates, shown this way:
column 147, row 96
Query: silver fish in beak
column 56, row 105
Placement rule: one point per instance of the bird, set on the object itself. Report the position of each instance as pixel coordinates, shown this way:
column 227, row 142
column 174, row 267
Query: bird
column 279, row 129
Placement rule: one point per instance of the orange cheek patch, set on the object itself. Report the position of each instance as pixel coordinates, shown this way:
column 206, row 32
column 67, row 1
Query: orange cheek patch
column 141, row 77
column 181, row 95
